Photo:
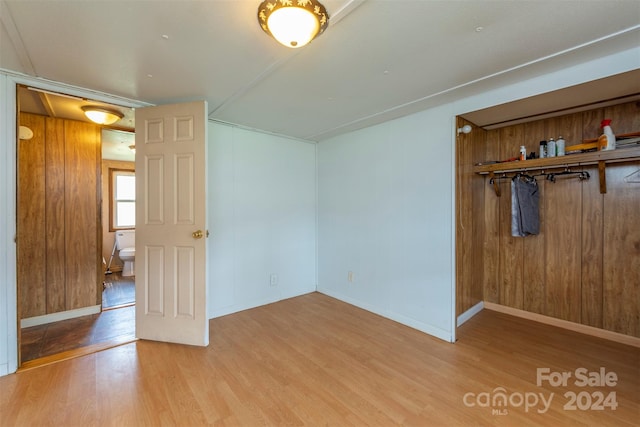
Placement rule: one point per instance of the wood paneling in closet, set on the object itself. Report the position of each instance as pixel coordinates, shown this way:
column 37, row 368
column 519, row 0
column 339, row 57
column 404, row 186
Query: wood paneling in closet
column 584, row 266
column 58, row 216
column 468, row 242
column 533, row 280
column 621, row 246
column 591, row 275
column 478, row 237
column 511, row 248
column 621, row 254
column 491, row 253
column 562, row 212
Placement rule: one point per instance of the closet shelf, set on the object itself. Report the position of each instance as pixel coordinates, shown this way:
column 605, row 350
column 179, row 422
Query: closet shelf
column 626, row 154
column 601, row 158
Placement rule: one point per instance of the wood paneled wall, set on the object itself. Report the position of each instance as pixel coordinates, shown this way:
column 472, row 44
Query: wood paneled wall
column 584, row 266
column 58, row 230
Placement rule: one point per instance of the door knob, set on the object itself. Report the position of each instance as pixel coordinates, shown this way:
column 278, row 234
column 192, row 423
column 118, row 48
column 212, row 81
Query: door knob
column 197, row 234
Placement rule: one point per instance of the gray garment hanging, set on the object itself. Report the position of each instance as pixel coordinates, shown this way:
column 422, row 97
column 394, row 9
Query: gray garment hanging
column 525, row 201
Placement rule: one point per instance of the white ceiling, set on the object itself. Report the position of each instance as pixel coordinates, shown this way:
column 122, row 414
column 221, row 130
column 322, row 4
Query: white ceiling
column 116, row 143
column 378, row 60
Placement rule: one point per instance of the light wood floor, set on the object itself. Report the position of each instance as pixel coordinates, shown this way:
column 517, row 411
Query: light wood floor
column 313, row 360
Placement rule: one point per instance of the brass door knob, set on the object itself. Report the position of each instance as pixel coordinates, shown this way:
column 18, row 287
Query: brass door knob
column 197, row 234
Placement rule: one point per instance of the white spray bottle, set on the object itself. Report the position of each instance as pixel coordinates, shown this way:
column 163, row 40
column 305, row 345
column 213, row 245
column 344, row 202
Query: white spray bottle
column 607, row 140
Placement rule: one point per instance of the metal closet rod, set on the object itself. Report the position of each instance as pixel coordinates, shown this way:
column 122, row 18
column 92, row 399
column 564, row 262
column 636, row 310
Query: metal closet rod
column 549, row 176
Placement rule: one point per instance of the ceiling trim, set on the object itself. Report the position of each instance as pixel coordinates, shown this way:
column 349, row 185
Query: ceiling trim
column 253, row 83
column 344, row 11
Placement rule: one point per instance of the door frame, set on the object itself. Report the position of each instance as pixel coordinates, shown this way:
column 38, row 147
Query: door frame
column 9, row 81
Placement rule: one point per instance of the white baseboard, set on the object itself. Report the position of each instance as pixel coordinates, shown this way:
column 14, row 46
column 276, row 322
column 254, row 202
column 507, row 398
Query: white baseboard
column 565, row 324
column 62, row 315
column 470, row 313
column 247, row 305
column 396, row 317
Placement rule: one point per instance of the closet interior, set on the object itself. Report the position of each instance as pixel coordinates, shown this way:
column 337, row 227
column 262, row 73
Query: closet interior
column 584, row 265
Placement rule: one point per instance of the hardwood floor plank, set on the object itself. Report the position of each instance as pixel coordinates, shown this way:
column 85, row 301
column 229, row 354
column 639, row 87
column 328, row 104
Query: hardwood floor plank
column 313, row 360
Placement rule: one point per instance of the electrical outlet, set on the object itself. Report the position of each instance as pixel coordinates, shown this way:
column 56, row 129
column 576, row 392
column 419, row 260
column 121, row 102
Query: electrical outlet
column 273, row 279
column 350, row 277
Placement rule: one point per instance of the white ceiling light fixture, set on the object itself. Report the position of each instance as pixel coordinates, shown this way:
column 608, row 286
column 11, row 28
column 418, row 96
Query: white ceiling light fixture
column 293, row 23
column 102, row 116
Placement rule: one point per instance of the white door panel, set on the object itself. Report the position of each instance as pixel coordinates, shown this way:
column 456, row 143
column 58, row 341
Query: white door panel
column 170, row 254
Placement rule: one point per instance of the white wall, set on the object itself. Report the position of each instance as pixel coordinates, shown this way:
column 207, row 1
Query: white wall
column 262, row 218
column 8, row 299
column 385, row 198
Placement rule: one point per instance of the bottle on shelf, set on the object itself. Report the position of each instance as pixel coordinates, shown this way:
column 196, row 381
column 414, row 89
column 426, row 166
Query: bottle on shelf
column 607, row 140
column 523, row 152
column 551, row 148
column 543, row 149
column 560, row 146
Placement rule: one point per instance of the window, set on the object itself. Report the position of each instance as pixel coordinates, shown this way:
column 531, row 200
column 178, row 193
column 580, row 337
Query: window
column 122, row 191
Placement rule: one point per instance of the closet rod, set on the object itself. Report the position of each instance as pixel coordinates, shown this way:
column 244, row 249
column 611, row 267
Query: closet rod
column 582, row 175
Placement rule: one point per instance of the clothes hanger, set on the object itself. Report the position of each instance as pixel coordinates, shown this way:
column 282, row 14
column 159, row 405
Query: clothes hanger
column 633, row 177
column 582, row 175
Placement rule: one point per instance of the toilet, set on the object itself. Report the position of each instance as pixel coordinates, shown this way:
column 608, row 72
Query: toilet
column 126, row 244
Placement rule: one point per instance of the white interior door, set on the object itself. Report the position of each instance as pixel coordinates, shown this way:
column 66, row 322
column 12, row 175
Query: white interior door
column 171, row 223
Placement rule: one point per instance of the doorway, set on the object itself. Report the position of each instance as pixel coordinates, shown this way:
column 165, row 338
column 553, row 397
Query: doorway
column 118, row 216
column 61, row 290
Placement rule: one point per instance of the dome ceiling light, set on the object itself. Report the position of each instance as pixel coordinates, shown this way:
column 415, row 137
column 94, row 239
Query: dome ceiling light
column 102, row 116
column 293, row 23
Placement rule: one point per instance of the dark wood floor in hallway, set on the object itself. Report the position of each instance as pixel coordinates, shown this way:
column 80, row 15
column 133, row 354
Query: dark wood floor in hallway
column 313, row 360
column 115, row 324
column 54, row 338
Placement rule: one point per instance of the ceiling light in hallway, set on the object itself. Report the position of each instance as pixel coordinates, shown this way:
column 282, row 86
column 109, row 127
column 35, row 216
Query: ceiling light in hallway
column 102, row 116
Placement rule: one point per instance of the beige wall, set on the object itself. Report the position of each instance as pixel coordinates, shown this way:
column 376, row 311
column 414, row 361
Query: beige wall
column 108, row 237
